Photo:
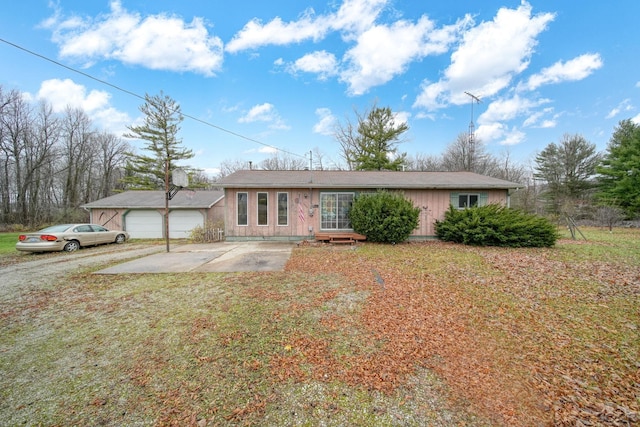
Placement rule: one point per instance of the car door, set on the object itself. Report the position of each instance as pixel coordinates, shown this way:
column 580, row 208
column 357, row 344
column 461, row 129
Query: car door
column 84, row 234
column 102, row 235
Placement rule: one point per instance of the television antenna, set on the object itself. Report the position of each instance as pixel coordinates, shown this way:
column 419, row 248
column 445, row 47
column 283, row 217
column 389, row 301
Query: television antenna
column 472, row 131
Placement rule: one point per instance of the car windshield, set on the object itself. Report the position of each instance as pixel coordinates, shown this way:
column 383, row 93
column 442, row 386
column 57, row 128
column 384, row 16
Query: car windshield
column 55, row 228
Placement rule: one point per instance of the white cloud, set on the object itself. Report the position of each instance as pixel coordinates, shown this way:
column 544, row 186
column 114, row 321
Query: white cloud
column 259, row 113
column 276, row 32
column 356, row 16
column 268, row 150
column 625, row 105
column 636, row 119
column 61, row 94
column 264, row 113
column 158, row 42
column 493, row 122
column 513, row 137
column 537, row 119
column 575, row 69
column 488, row 57
column 401, row 117
column 505, row 109
column 327, row 122
column 384, row 51
column 379, row 54
column 321, row 62
column 353, row 17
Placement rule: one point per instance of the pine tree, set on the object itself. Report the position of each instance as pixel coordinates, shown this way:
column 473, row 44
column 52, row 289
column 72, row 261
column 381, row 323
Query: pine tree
column 162, row 118
column 619, row 180
column 372, row 144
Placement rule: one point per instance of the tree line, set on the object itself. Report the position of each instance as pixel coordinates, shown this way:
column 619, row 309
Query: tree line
column 53, row 163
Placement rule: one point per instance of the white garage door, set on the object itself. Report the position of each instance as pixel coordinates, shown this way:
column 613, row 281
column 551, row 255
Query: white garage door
column 144, row 224
column 181, row 222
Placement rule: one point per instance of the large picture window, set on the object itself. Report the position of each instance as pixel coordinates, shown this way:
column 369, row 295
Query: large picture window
column 242, row 208
column 334, row 208
column 283, row 208
column 263, row 208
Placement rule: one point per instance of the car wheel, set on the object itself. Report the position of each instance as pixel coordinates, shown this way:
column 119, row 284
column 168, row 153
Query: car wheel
column 71, row 246
column 120, row 238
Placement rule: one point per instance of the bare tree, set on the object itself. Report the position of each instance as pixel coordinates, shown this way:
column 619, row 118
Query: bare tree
column 40, row 159
column 609, row 215
column 227, row 167
column 424, row 163
column 77, row 156
column 505, row 168
column 462, row 155
column 284, row 162
column 52, row 163
column 16, row 132
column 111, row 158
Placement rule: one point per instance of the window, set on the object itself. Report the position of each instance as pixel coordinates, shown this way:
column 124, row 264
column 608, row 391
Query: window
column 263, row 208
column 242, row 207
column 334, row 208
column 468, row 200
column 283, row 208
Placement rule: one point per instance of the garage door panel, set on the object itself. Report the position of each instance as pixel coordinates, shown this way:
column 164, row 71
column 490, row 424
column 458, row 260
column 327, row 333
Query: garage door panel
column 181, row 222
column 144, row 224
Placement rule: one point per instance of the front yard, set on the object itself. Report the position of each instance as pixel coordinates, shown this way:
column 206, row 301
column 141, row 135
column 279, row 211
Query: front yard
column 413, row 334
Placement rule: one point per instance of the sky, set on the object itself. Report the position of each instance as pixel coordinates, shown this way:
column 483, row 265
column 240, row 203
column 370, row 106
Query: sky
column 256, row 78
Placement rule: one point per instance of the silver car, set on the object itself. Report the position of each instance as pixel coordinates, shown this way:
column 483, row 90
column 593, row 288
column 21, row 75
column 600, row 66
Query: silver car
column 69, row 238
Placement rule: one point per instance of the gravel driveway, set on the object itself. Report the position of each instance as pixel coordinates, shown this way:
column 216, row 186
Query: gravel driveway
column 25, row 272
column 38, row 271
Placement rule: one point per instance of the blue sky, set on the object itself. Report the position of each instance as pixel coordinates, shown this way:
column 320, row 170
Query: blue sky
column 282, row 73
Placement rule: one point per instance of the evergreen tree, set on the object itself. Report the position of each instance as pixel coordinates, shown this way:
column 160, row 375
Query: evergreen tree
column 619, row 180
column 162, row 118
column 568, row 169
column 372, row 143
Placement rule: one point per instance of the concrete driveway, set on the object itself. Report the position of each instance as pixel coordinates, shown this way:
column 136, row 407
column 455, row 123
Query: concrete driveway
column 211, row 257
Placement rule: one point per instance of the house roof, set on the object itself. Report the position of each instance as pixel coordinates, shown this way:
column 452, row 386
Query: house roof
column 156, row 199
column 363, row 179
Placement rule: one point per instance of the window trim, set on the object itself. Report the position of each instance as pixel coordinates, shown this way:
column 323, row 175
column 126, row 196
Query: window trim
column 266, row 208
column 286, row 209
column 246, row 208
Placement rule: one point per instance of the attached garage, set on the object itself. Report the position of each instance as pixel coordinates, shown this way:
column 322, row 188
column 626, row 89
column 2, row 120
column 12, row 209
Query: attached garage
column 182, row 221
column 141, row 213
column 143, row 224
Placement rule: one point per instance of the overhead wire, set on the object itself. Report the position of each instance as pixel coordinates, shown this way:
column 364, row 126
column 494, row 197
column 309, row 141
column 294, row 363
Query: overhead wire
column 136, row 95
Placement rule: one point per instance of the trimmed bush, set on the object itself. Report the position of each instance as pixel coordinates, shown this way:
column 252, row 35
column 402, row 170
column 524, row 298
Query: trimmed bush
column 384, row 217
column 496, row 225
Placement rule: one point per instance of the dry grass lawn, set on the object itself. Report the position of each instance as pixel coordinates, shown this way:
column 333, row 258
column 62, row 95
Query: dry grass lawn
column 413, row 334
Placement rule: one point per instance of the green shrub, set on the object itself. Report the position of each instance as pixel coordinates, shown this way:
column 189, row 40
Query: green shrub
column 496, row 225
column 384, row 217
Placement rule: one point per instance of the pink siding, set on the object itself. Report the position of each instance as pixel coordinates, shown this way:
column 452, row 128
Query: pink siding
column 300, row 215
column 304, row 213
column 110, row 218
column 434, row 203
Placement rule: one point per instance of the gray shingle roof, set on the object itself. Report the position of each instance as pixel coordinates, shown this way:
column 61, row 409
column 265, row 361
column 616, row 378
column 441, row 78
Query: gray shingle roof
column 155, row 200
column 363, row 179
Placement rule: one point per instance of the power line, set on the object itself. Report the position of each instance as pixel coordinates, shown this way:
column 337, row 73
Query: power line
column 136, row 95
